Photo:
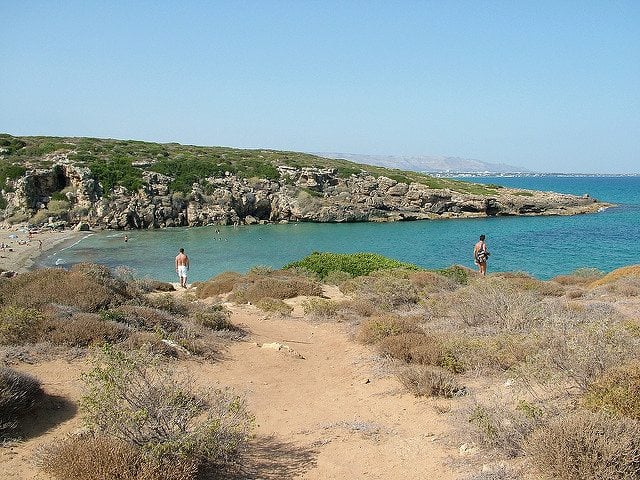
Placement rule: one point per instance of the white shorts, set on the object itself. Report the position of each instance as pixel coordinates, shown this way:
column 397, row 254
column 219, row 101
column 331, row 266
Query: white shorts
column 182, row 271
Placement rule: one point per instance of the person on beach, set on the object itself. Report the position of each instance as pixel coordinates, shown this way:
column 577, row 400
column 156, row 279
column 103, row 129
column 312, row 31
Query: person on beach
column 182, row 267
column 480, row 255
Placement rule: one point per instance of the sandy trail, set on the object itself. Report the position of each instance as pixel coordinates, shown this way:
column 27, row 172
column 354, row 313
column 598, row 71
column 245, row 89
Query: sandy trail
column 333, row 414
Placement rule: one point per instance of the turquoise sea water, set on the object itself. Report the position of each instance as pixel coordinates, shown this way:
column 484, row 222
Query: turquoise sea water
column 541, row 246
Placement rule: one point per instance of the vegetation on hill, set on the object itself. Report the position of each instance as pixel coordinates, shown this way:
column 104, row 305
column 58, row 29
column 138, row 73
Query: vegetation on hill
column 121, row 162
column 561, row 355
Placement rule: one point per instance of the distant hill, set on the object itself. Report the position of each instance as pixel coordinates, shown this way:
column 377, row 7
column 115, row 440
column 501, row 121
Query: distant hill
column 427, row 163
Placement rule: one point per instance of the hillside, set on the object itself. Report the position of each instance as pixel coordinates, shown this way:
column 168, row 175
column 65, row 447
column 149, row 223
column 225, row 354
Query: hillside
column 133, row 184
column 429, row 163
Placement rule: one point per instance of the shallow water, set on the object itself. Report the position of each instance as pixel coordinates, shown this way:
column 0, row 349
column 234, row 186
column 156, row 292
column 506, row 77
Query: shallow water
column 541, row 246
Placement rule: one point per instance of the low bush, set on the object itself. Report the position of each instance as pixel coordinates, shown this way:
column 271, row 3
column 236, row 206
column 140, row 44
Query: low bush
column 169, row 303
column 375, row 329
column 582, row 276
column 588, row 446
column 19, row 394
column 355, row 264
column 151, row 342
column 617, row 391
column 99, row 457
column 279, row 285
column 422, row 349
column 456, row 273
column 144, row 318
column 423, row 380
column 274, row 305
column 222, row 283
column 214, row 318
column 133, row 398
column 321, row 307
column 84, row 329
column 497, row 303
column 505, row 428
column 432, row 282
column 88, row 287
column 387, row 291
column 20, row 325
column 500, row 352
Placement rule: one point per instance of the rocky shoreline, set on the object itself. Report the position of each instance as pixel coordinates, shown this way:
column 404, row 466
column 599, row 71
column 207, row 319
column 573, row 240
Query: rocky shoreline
column 68, row 195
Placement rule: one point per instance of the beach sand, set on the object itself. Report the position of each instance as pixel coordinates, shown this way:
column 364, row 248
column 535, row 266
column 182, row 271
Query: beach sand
column 21, row 253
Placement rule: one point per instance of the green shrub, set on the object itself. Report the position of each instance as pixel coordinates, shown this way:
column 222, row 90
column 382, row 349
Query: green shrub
column 588, row 446
column 19, row 394
column 116, row 171
column 456, row 273
column 355, row 264
column 19, row 325
column 616, row 391
column 133, row 398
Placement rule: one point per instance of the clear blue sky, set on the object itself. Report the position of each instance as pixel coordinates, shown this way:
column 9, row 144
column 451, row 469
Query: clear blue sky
column 547, row 85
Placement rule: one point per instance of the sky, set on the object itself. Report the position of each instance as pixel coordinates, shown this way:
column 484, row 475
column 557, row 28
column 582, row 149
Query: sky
column 551, row 86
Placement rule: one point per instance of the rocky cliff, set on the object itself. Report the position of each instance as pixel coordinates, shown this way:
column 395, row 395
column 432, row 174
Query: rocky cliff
column 70, row 194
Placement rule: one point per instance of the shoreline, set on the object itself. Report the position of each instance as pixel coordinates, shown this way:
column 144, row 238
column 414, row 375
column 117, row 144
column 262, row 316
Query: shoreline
column 23, row 252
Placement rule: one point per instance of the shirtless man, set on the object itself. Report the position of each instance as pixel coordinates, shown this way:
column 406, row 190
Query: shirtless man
column 182, row 267
column 480, row 254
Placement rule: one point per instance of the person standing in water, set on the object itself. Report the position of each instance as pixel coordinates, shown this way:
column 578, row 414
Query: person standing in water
column 480, row 255
column 182, row 267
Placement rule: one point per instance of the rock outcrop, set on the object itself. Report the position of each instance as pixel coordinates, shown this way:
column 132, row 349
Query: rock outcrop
column 301, row 195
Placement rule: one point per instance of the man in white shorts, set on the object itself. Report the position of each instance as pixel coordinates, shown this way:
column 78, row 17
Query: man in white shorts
column 182, row 267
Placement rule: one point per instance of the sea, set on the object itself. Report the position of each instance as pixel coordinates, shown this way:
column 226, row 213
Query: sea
column 542, row 246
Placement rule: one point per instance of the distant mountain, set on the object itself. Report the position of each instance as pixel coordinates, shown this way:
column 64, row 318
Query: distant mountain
column 426, row 163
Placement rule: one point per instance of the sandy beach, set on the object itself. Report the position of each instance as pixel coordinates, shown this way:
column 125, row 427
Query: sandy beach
column 21, row 250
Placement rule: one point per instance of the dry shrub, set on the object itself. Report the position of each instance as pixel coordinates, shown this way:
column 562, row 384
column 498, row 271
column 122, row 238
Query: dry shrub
column 84, row 329
column 499, row 472
column 359, row 307
column 496, row 302
column 144, row 318
column 385, row 289
column 320, row 307
column 422, row 349
column 374, row 329
column 168, row 303
column 574, row 293
column 132, row 397
column 584, row 352
column 622, row 287
column 336, row 277
column 526, row 283
column 20, row 325
column 222, row 283
column 617, row 391
column 275, row 306
column 587, row 446
column 215, row 317
column 431, row 282
column 424, row 380
column 99, row 457
column 501, row 351
column 279, row 285
column 629, row 272
column 505, row 428
column 152, row 342
column 19, row 394
column 88, row 287
column 582, row 276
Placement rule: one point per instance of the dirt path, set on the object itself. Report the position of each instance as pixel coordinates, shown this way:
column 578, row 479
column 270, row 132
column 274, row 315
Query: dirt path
column 326, row 410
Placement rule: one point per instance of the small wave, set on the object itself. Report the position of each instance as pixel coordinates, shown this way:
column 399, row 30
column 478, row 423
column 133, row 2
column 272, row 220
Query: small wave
column 59, row 261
